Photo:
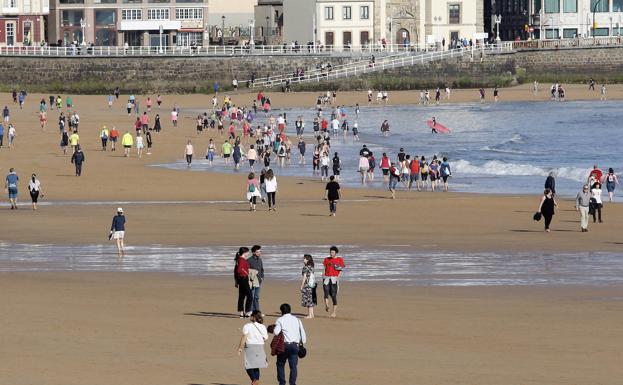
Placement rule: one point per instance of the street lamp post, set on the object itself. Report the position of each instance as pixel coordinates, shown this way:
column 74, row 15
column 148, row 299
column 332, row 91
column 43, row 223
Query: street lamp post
column 252, row 32
column 267, row 31
column 160, row 29
column 390, row 22
column 223, row 30
column 83, row 26
column 498, row 21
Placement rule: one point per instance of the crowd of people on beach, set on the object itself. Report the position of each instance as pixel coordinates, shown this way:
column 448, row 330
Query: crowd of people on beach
column 289, row 333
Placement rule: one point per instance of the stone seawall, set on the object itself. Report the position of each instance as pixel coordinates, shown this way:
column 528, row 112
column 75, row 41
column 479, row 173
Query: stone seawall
column 198, row 74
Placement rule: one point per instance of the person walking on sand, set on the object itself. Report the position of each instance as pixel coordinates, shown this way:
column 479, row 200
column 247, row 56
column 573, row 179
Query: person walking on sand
column 394, row 178
column 139, row 144
column 241, row 278
column 596, row 201
column 11, row 136
column 210, row 152
column 333, row 267
column 332, row 194
column 188, row 153
column 602, row 92
column 174, row 117
column 253, row 190
column 34, row 187
column 611, row 182
column 547, row 207
column 77, row 159
column 149, row 140
column 293, row 336
column 117, row 231
column 582, row 202
column 445, row 172
column 10, row 185
column 308, row 286
column 254, row 336
column 127, row 141
column 104, row 135
column 256, row 275
column 271, row 189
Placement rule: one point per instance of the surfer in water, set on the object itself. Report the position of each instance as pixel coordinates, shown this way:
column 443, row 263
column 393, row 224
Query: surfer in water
column 433, row 130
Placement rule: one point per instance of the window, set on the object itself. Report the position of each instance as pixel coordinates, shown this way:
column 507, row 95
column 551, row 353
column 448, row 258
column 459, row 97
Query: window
column 601, row 32
column 158, row 1
column 131, row 14
column 537, row 6
column 364, row 37
column 189, row 13
column 71, row 1
column 10, row 34
column 347, row 38
column 26, row 6
column 70, row 17
column 364, row 12
column 158, row 14
column 189, row 1
column 328, row 39
column 454, row 13
column 602, row 6
column 105, row 17
column 552, row 34
column 347, row 12
column 570, row 6
column 132, row 1
column 186, row 39
column 552, row 6
column 105, row 1
column 328, row 13
column 10, row 3
column 617, row 5
column 569, row 33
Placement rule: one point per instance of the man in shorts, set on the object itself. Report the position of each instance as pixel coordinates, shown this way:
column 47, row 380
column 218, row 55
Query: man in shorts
column 11, row 187
column 333, row 266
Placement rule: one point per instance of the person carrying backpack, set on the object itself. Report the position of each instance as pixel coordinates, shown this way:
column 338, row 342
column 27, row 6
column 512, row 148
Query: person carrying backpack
column 394, row 178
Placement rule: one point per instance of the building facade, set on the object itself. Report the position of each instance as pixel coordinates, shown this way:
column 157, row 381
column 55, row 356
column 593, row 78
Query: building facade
column 448, row 21
column 268, row 27
column 574, row 18
column 22, row 22
column 131, row 22
column 515, row 22
column 404, row 20
column 345, row 23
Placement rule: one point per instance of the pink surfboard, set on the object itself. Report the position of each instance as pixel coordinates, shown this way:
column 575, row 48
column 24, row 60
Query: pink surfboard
column 440, row 128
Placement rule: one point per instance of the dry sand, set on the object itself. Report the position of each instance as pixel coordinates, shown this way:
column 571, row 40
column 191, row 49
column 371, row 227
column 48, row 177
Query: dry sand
column 115, row 328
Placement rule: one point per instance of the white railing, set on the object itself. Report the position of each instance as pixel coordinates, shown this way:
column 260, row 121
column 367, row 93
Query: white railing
column 212, row 50
column 568, row 43
column 361, row 67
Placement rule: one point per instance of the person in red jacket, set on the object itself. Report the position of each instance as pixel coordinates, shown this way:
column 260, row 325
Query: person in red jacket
column 333, row 266
column 241, row 277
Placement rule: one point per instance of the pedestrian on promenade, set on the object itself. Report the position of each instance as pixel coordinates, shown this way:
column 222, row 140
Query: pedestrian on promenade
column 333, row 266
column 117, row 231
column 254, row 336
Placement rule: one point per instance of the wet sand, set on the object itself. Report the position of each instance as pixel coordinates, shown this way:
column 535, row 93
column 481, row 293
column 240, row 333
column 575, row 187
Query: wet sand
column 115, row 328
column 107, row 328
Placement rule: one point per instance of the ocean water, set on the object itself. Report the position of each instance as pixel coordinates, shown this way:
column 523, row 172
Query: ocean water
column 504, row 148
column 395, row 264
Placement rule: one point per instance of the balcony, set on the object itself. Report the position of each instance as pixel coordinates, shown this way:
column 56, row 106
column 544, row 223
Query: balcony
column 10, row 10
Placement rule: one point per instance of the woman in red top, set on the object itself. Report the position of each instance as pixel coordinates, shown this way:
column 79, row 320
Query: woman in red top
column 241, row 277
column 385, row 163
column 333, row 266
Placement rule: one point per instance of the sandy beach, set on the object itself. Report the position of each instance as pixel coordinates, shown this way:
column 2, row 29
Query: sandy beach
column 130, row 328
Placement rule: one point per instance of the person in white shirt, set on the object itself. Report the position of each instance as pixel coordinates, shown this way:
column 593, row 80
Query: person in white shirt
column 294, row 335
column 188, row 152
column 364, row 165
column 34, row 187
column 271, row 189
column 254, row 335
column 335, row 126
column 597, row 202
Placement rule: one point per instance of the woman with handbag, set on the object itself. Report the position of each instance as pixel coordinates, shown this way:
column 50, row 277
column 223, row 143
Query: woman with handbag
column 241, row 276
column 254, row 335
column 547, row 206
column 308, row 286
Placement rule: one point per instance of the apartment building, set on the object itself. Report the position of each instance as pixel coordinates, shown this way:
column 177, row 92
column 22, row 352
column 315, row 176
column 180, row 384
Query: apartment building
column 450, row 20
column 22, row 22
column 574, row 18
column 132, row 22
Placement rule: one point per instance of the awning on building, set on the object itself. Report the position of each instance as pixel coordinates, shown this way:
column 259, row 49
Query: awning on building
column 150, row 25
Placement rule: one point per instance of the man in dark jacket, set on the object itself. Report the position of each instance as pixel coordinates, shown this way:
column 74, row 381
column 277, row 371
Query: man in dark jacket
column 256, row 263
column 550, row 183
column 77, row 159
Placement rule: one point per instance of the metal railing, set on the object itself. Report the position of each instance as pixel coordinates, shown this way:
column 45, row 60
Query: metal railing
column 361, row 67
column 211, row 50
column 568, row 43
